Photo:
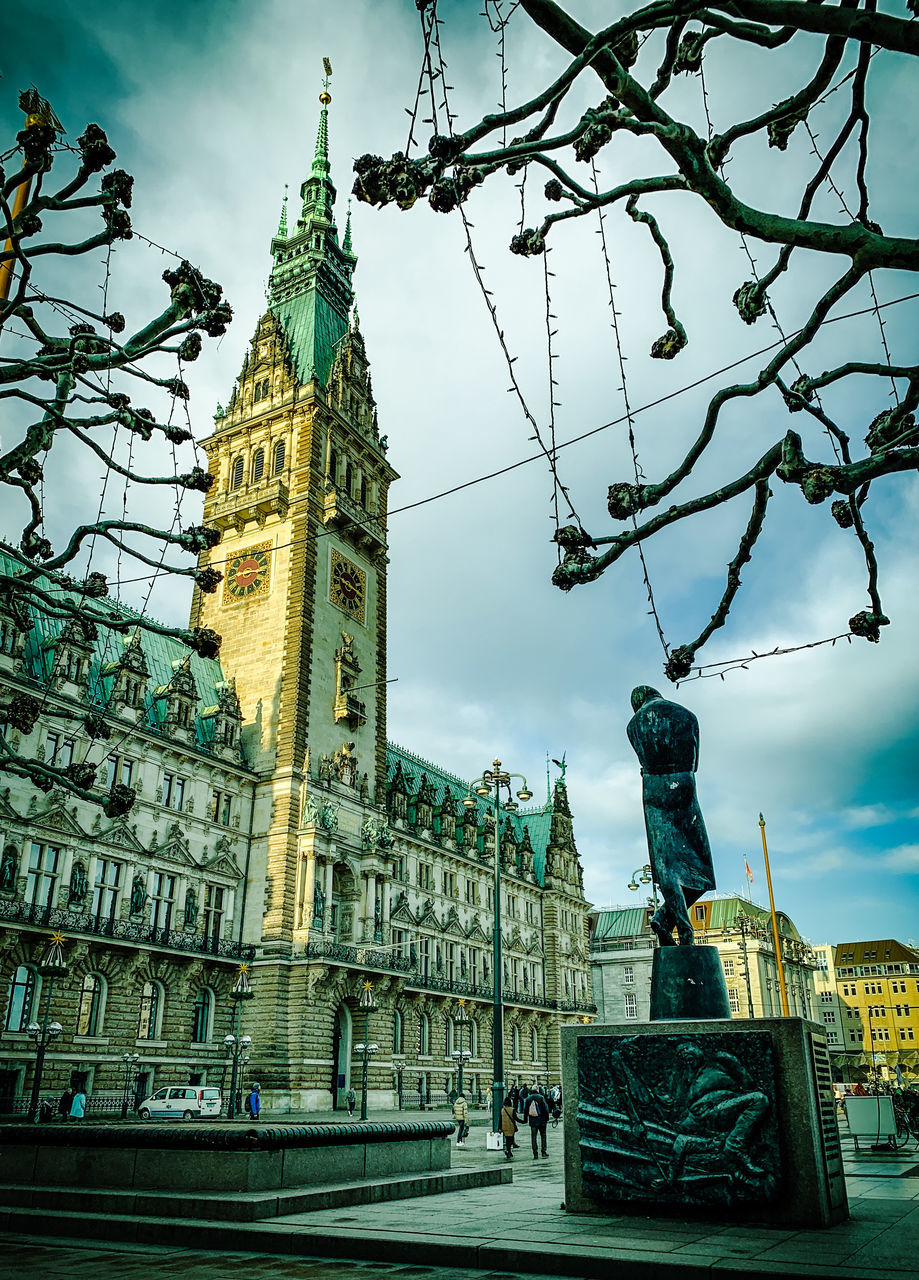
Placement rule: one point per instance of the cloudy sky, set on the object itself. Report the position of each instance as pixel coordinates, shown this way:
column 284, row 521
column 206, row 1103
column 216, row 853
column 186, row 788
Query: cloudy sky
column 213, row 107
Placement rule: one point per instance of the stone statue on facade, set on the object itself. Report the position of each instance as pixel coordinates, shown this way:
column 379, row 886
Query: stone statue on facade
column 310, row 813
column 79, row 885
column 328, row 816
column 8, row 869
column 191, row 909
column 138, row 895
column 318, row 905
column 665, row 737
column 325, row 769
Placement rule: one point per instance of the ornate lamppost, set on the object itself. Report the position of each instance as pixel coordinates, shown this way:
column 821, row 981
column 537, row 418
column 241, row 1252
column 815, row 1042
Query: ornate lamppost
column 461, row 1055
column 366, row 1050
column 237, row 1046
column 490, row 784
column 129, row 1069
column 398, row 1070
column 51, row 966
column 644, row 875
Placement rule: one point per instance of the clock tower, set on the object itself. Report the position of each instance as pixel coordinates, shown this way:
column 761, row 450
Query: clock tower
column 300, row 496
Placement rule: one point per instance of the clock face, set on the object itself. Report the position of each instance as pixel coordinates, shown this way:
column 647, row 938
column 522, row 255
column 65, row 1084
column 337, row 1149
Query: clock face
column 347, row 586
column 248, row 574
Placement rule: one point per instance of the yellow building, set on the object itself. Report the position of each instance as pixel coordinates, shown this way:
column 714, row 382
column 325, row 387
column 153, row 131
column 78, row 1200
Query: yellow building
column 878, row 987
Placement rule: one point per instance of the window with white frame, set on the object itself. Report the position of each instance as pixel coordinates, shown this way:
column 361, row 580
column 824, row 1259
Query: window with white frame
column 42, row 874
column 106, row 889
column 151, row 1011
column 21, row 998
column 728, row 966
column 214, row 907
column 162, row 900
column 631, row 1004
column 202, row 1016
column 89, row 1019
column 733, row 1000
column 628, row 974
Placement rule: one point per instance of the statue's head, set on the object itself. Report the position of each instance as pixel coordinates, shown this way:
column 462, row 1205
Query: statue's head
column 642, row 694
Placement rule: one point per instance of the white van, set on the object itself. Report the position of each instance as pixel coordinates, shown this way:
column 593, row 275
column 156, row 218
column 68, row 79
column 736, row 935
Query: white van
column 181, row 1102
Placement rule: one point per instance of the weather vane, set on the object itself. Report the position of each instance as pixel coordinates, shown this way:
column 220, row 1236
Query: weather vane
column 325, row 97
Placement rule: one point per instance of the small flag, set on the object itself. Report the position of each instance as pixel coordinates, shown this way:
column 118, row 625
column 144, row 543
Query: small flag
column 746, row 866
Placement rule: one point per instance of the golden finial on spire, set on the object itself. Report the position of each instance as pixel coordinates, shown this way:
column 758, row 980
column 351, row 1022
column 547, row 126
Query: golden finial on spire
column 325, row 97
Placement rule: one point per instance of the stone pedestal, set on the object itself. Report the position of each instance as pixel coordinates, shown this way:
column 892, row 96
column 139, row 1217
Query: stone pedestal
column 702, row 1119
column 688, row 982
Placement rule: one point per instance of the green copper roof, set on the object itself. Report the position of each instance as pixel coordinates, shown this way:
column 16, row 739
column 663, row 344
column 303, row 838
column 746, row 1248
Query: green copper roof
column 162, row 655
column 537, row 821
column 621, row 922
column 314, row 329
column 309, row 289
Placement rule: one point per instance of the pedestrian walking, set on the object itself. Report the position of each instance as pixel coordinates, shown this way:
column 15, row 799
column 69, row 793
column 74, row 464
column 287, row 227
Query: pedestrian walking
column 508, row 1128
column 521, row 1101
column 63, row 1106
column 461, row 1116
column 78, row 1105
column 351, row 1099
column 254, row 1102
column 537, row 1115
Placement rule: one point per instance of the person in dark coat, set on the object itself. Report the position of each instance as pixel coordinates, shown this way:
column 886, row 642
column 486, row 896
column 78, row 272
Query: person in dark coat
column 537, row 1117
column 508, row 1128
column 63, row 1106
column 665, row 737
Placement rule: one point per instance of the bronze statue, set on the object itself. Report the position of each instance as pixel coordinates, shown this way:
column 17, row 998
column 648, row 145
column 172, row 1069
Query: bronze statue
column 665, row 737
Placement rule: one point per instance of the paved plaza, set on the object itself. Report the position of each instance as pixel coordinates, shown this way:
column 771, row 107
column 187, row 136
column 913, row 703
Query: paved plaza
column 519, row 1229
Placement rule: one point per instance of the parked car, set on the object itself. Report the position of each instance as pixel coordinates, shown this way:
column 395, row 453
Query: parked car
column 181, row 1102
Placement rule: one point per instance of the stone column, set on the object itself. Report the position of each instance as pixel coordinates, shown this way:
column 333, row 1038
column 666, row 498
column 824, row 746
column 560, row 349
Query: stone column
column 386, row 908
column 307, row 890
column 327, row 918
column 370, row 898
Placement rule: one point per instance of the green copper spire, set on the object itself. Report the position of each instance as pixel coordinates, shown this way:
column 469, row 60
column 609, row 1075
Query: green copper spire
column 310, row 285
column 346, row 243
column 321, row 158
column 282, row 225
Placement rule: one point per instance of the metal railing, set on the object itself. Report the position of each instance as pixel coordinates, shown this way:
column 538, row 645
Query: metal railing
column 139, row 932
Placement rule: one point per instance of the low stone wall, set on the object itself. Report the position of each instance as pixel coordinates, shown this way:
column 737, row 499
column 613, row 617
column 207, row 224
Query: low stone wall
column 198, row 1157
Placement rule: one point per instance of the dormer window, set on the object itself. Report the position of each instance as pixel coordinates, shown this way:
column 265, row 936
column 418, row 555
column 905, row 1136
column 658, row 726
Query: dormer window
column 262, row 390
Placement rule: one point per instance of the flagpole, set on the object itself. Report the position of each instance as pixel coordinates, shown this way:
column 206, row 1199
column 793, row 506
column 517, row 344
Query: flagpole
column 775, row 924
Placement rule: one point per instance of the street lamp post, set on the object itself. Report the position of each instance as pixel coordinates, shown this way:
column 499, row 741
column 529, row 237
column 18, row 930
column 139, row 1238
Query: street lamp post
column 129, row 1067
column 52, row 966
column 237, row 1046
column 461, row 1055
column 490, row 785
column 645, row 875
column 398, row 1070
column 366, row 1050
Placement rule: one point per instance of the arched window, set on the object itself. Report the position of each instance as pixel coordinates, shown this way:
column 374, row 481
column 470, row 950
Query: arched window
column 277, row 463
column 398, row 1033
column 349, row 479
column 363, row 491
column 236, row 473
column 534, row 1046
column 21, row 1000
column 151, row 1012
column 89, row 1019
column 515, row 1042
column 204, row 1006
column 333, row 465
column 424, row 1035
column 258, row 465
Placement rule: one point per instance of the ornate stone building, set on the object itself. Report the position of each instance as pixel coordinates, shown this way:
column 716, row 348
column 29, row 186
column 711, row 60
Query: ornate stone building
column 151, row 904
column 352, row 861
